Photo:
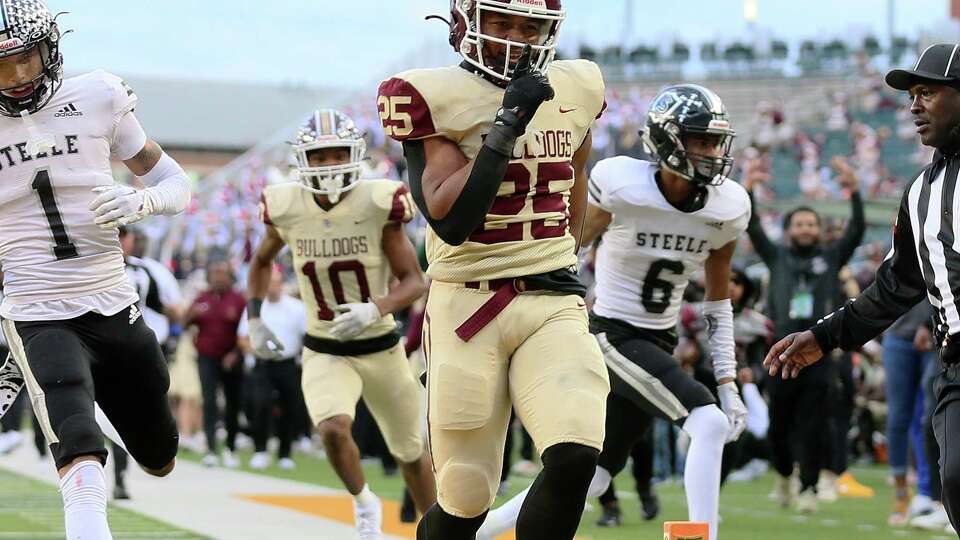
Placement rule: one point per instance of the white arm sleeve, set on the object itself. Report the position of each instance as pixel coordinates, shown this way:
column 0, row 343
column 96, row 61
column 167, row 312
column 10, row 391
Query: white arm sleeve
column 758, row 414
column 719, row 316
column 128, row 138
column 168, row 190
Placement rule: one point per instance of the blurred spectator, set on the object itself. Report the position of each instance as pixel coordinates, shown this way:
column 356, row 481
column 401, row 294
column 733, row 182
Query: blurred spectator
column 285, row 315
column 907, row 351
column 217, row 313
column 803, row 287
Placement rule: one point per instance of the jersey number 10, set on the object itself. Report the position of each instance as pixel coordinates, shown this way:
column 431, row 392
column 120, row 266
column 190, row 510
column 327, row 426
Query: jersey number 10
column 62, row 247
column 323, row 310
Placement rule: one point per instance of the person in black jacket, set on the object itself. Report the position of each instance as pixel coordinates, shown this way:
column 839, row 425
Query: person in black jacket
column 924, row 261
column 803, row 286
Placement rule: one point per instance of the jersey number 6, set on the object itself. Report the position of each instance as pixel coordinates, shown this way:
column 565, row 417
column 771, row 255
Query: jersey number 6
column 653, row 284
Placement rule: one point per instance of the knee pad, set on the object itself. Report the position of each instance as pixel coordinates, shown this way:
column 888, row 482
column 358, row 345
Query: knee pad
column 571, row 461
column 707, row 423
column 599, row 484
column 466, row 488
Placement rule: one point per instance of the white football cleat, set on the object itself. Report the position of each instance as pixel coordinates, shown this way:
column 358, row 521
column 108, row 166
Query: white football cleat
column 369, row 520
column 210, row 460
column 229, row 460
column 934, row 521
column 286, row 464
column 11, row 382
column 260, row 461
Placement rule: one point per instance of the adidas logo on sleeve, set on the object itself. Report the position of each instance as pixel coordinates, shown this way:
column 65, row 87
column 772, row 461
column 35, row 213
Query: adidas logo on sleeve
column 69, row 110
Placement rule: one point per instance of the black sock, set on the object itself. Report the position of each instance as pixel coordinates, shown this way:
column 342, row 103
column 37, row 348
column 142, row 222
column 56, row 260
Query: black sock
column 439, row 525
column 554, row 505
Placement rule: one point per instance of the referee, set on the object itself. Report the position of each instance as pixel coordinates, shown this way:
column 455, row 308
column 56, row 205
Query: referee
column 924, row 261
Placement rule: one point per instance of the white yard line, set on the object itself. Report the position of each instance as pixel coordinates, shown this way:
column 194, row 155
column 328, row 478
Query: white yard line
column 206, row 501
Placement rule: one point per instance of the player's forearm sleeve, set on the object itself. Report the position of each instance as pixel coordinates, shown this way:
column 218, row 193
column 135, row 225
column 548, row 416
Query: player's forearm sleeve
column 168, row 187
column 471, row 207
column 719, row 315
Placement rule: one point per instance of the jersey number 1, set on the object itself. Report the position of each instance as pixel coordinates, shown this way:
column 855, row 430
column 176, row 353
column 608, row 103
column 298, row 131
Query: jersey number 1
column 62, row 247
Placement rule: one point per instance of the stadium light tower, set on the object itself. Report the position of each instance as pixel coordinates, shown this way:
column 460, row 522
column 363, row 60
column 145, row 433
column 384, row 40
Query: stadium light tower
column 627, row 23
column 750, row 11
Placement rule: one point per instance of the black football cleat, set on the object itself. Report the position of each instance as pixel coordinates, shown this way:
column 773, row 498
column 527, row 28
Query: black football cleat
column 408, row 510
column 611, row 516
column 649, row 505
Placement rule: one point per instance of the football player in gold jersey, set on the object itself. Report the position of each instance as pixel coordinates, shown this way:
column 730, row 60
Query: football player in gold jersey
column 497, row 148
column 347, row 241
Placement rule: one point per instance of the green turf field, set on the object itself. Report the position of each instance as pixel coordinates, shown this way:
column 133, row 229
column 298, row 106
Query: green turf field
column 745, row 510
column 33, row 510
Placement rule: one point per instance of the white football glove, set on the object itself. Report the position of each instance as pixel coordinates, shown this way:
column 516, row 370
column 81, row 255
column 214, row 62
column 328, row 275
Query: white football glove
column 264, row 342
column 734, row 408
column 353, row 319
column 120, row 205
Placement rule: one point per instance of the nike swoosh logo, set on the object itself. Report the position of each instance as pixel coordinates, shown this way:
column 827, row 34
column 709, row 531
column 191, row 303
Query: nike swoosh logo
column 565, row 111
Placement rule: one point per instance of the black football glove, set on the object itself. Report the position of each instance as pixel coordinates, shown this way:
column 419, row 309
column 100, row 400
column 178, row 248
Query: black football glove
column 526, row 91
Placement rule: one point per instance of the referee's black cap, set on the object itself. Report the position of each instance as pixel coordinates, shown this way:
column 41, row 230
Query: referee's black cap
column 938, row 64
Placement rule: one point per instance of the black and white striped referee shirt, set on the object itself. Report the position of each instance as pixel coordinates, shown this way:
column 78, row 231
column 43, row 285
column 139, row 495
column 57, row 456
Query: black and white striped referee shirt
column 924, row 260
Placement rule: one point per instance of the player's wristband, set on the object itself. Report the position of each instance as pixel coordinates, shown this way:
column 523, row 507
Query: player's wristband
column 503, row 136
column 253, row 308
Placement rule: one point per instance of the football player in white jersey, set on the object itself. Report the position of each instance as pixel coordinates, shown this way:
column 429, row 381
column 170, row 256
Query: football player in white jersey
column 69, row 312
column 661, row 221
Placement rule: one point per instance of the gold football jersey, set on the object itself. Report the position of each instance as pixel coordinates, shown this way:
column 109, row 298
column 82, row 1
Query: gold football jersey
column 337, row 254
column 526, row 231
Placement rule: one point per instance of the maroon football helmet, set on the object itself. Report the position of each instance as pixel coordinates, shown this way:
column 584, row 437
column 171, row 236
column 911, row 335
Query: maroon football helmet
column 468, row 39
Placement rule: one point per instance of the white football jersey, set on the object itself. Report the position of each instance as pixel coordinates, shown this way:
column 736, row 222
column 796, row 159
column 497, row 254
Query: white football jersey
column 650, row 248
column 57, row 263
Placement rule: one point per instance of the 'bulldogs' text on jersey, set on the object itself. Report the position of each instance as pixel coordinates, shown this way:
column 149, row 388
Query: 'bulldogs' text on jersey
column 650, row 248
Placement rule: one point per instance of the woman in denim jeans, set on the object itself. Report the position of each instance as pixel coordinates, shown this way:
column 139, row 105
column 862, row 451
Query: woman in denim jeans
column 906, row 355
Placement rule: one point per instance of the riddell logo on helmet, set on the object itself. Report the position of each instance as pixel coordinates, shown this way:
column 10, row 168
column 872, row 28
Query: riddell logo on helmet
column 11, row 43
column 534, row 3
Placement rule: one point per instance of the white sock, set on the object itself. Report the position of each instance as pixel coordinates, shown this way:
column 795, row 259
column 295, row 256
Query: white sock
column 599, row 483
column 107, row 428
column 84, row 491
column 365, row 497
column 707, row 427
column 503, row 518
